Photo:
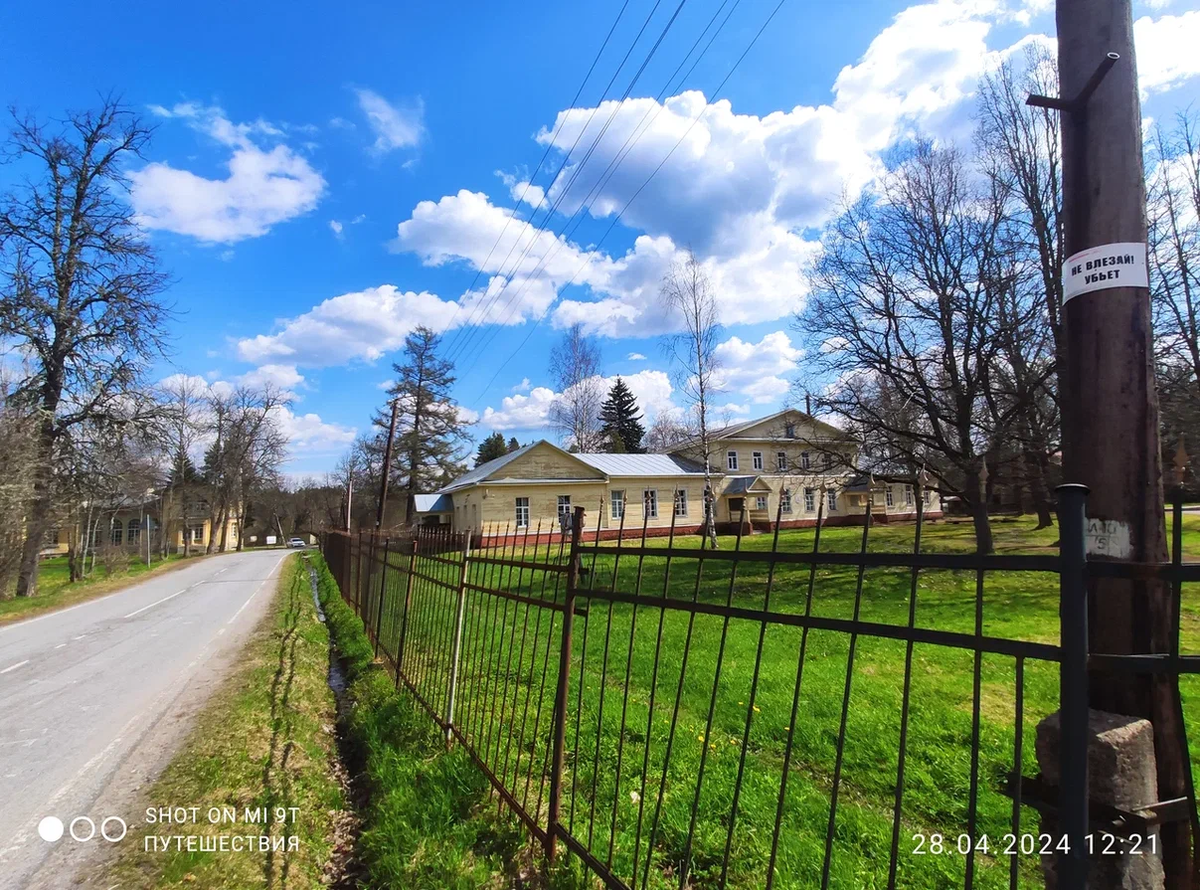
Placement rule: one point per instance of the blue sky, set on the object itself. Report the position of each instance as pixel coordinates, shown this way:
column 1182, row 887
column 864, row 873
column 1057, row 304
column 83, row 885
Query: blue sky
column 326, row 176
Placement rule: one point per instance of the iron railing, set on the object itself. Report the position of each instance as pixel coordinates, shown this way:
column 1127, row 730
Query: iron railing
column 761, row 715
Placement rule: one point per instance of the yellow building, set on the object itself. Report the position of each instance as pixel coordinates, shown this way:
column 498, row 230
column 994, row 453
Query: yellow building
column 127, row 527
column 777, row 468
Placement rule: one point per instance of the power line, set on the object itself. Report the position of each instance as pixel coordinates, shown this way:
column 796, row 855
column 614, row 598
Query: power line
column 549, row 213
column 633, row 197
column 545, row 154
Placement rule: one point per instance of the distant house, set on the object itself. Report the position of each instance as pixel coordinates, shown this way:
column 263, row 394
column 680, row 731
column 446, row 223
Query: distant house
column 127, row 526
column 777, row 468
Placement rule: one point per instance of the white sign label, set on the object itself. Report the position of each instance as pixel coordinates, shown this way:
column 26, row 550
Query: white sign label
column 1109, row 265
column 1108, row 537
column 270, row 539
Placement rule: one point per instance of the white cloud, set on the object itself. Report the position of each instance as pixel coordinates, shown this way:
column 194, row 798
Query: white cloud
column 652, row 389
column 1166, row 50
column 394, row 126
column 523, row 386
column 753, row 370
column 284, row 377
column 336, row 227
column 310, row 436
column 362, row 325
column 635, row 357
column 264, row 186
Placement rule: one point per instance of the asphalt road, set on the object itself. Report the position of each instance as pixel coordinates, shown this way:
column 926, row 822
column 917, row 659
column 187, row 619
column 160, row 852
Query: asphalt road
column 87, row 695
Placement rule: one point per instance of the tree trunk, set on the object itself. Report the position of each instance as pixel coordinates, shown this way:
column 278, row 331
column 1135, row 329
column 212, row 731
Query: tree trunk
column 1041, row 493
column 977, row 500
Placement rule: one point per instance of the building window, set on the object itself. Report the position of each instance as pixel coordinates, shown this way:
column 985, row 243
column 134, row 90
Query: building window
column 890, row 497
column 928, row 499
column 908, row 495
column 757, row 459
column 522, row 512
column 680, row 502
column 810, row 500
column 116, row 532
column 197, row 534
column 828, row 460
column 731, row 461
column 617, row 500
column 760, row 502
column 133, row 531
column 564, row 505
column 785, row 501
column 650, row 503
column 832, row 497
column 805, row 462
column 790, row 431
column 781, row 460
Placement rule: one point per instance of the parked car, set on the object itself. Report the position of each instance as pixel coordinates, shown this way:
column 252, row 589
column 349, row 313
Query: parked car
column 297, row 542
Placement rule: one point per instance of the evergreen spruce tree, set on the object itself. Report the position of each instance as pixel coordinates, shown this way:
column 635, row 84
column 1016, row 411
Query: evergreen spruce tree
column 513, row 444
column 621, row 421
column 491, row 448
column 431, row 434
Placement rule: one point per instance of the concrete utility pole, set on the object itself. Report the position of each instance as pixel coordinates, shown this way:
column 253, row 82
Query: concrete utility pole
column 1109, row 402
column 387, row 464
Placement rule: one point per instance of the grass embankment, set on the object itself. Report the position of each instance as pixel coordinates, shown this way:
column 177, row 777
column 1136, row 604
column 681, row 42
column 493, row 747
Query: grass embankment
column 264, row 740
column 610, row 797
column 55, row 590
column 428, row 821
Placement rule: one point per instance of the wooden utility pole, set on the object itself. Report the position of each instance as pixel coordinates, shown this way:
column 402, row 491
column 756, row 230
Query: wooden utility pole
column 387, row 466
column 1108, row 397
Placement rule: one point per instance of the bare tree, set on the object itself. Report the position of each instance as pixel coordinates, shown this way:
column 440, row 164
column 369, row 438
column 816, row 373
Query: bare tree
column 575, row 369
column 902, row 310
column 80, row 287
column 665, row 433
column 18, row 469
column 185, row 399
column 688, row 295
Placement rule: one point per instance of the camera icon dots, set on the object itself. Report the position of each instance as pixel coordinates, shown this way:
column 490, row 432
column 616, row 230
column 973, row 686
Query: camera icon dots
column 82, row 829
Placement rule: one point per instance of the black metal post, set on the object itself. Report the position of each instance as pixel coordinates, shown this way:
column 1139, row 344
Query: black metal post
column 387, row 547
column 560, row 694
column 1073, row 685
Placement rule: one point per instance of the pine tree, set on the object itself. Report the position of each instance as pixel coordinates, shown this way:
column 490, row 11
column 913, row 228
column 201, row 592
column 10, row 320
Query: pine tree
column 491, row 448
column 621, row 421
column 431, row 433
column 513, row 444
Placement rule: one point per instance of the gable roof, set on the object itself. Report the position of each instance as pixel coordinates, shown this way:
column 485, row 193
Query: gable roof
column 485, row 471
column 733, row 429
column 642, row 464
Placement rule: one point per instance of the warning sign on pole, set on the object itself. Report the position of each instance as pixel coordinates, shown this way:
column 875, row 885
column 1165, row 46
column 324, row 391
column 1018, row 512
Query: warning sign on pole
column 1109, row 265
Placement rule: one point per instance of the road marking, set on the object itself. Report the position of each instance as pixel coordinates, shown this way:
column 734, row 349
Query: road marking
column 60, row 645
column 13, row 667
column 258, row 588
column 157, row 602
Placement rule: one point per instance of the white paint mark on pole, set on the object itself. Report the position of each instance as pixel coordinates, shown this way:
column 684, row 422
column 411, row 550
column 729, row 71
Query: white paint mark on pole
column 1105, row 266
column 1109, row 537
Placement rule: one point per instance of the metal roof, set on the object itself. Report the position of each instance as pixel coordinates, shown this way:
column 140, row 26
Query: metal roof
column 484, row 470
column 642, row 464
column 434, row 503
column 744, row 485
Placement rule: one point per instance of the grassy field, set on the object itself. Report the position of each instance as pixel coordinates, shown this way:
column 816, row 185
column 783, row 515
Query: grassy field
column 55, row 590
column 428, row 823
column 616, row 746
column 265, row 740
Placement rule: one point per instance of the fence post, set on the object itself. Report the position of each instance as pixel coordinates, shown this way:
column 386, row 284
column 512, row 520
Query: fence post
column 560, row 694
column 387, row 548
column 457, row 652
column 1073, row 685
column 408, row 589
column 358, row 578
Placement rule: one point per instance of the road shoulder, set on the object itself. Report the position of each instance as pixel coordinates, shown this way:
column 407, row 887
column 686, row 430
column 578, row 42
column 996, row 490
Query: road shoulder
column 260, row 748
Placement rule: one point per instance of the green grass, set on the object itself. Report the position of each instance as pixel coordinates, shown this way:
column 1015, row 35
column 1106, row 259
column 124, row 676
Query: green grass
column 940, row 729
column 428, row 822
column 55, row 590
column 265, row 739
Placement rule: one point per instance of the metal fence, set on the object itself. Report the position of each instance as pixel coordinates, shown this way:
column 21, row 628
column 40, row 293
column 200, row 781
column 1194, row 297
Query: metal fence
column 760, row 715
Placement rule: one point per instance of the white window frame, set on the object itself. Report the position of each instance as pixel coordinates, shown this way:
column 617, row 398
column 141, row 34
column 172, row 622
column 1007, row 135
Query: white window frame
column 760, row 502
column 781, row 461
column 133, row 531
column 117, row 533
column 789, row 431
column 828, row 461
column 890, row 496
column 756, row 459
column 831, row 499
column 650, row 503
column 908, row 495
column 564, row 505
column 681, row 502
column 785, row 501
column 616, row 501
column 197, row 534
column 810, row 500
column 731, row 460
column 805, row 460
column 518, row 506
column 928, row 495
